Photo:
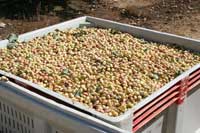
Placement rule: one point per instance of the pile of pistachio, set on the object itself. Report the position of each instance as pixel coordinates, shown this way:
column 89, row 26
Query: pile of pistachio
column 104, row 69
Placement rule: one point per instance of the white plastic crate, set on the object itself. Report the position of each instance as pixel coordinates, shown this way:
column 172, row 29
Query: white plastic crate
column 21, row 114
column 16, row 120
column 164, row 97
column 34, row 114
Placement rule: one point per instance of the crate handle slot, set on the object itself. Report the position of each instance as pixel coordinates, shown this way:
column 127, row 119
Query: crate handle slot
column 159, row 105
column 154, row 114
column 141, row 111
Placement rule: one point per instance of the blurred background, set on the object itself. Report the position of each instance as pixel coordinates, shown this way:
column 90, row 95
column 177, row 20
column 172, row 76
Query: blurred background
column 180, row 17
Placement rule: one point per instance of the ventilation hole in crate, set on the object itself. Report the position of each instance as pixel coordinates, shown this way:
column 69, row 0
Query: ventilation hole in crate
column 14, row 120
column 4, row 107
column 12, row 112
column 5, row 120
column 8, row 110
column 20, row 116
column 16, row 114
column 32, row 123
column 18, row 126
column 25, row 130
column 9, row 121
column 6, row 130
column 28, row 121
column 22, row 129
column 24, row 118
column 2, row 118
column 0, row 106
column 13, row 123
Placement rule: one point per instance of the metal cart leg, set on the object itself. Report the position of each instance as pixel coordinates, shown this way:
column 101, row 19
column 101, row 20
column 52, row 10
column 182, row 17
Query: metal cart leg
column 179, row 117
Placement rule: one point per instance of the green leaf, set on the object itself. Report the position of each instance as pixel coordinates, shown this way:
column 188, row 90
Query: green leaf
column 11, row 45
column 113, row 31
column 44, row 70
column 115, row 53
column 155, row 76
column 110, row 87
column 65, row 71
column 98, row 88
column 78, row 93
column 12, row 38
column 80, row 33
column 19, row 72
column 146, row 49
column 179, row 72
column 142, row 41
column 29, row 56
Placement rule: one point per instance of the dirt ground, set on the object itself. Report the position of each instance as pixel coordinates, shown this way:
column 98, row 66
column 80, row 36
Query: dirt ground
column 181, row 17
